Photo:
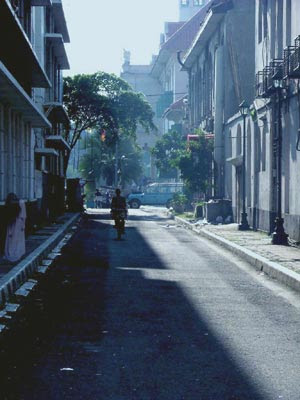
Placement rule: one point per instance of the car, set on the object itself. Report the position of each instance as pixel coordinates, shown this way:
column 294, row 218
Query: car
column 155, row 194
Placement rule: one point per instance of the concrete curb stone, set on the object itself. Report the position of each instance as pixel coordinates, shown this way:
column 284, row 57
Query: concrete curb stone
column 10, row 282
column 260, row 263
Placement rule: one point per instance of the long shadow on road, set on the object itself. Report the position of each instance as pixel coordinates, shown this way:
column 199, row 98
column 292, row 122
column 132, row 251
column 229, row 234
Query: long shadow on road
column 112, row 333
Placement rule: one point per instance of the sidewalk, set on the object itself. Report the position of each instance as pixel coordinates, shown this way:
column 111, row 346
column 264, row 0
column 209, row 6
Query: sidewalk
column 38, row 246
column 280, row 262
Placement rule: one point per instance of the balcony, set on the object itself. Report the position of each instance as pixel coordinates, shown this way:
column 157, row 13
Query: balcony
column 13, row 94
column 292, row 60
column 262, row 84
column 46, row 152
column 56, row 41
column 60, row 20
column 265, row 79
column 57, row 142
column 56, row 113
column 20, row 59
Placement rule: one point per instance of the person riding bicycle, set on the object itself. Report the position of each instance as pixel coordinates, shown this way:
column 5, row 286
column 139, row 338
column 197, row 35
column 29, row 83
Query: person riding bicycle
column 119, row 210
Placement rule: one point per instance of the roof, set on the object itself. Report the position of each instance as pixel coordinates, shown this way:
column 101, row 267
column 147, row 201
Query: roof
column 181, row 39
column 212, row 20
column 172, row 27
column 136, row 69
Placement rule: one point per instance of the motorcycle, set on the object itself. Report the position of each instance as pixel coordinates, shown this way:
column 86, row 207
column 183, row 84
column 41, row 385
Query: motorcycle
column 119, row 215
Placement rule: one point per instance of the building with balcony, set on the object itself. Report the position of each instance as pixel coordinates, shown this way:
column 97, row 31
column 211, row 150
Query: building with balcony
column 274, row 166
column 272, row 140
column 221, row 71
column 51, row 167
column 31, row 111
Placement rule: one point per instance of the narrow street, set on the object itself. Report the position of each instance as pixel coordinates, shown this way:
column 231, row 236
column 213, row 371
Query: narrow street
column 161, row 315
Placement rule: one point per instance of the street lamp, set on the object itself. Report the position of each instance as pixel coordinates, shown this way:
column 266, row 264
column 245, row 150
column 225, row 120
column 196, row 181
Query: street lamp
column 279, row 236
column 244, row 110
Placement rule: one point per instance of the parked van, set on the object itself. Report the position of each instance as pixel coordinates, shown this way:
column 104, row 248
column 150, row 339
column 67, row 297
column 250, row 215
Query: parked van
column 155, row 194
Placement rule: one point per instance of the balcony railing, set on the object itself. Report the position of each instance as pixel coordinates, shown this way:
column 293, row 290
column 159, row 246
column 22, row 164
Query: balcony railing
column 265, row 79
column 261, row 84
column 287, row 58
column 293, row 60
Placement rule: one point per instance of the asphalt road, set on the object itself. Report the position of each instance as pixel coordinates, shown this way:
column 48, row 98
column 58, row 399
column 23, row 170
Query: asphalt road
column 161, row 315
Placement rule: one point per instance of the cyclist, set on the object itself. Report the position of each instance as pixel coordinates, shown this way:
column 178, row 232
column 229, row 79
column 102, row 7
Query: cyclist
column 119, row 212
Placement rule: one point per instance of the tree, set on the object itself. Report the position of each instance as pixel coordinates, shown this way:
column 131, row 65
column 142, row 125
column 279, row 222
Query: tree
column 195, row 164
column 106, row 102
column 100, row 161
column 193, row 159
column 166, row 152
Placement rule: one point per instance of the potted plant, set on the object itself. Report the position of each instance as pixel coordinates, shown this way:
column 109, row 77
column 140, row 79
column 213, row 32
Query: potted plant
column 179, row 202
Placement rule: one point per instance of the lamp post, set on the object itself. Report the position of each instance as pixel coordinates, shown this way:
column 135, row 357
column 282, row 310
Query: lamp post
column 279, row 236
column 244, row 226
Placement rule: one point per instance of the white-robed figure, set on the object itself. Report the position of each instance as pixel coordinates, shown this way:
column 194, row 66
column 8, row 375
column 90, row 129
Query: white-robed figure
column 15, row 232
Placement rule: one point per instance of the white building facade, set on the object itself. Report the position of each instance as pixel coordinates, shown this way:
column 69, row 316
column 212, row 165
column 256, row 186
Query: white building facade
column 272, row 128
column 25, row 85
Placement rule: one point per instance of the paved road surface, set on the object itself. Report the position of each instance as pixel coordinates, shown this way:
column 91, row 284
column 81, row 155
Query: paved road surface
column 162, row 315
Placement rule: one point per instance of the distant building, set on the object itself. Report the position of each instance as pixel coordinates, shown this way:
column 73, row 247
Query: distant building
column 138, row 76
column 162, row 81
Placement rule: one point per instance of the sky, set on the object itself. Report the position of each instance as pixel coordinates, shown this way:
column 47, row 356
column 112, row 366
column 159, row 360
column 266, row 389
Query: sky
column 101, row 29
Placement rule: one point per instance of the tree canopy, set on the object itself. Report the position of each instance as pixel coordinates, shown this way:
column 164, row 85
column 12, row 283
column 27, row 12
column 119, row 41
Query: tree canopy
column 194, row 159
column 105, row 102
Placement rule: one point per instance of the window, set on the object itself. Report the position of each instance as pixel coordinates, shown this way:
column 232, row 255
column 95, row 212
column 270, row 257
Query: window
column 198, row 2
column 184, row 3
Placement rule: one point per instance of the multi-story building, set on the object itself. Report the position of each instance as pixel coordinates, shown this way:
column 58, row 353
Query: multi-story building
column 163, row 82
column 51, row 147
column 273, row 134
column 221, row 71
column 31, row 59
column 138, row 76
column 250, row 51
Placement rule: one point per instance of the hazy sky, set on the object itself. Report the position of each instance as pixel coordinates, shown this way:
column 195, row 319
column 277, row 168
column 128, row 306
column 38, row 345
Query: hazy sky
column 101, row 29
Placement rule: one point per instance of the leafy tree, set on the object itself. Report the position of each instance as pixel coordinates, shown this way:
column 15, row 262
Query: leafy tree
column 106, row 102
column 167, row 151
column 195, row 164
column 193, row 159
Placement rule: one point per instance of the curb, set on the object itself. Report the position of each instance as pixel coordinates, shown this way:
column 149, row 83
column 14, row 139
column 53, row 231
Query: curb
column 260, row 263
column 25, row 268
